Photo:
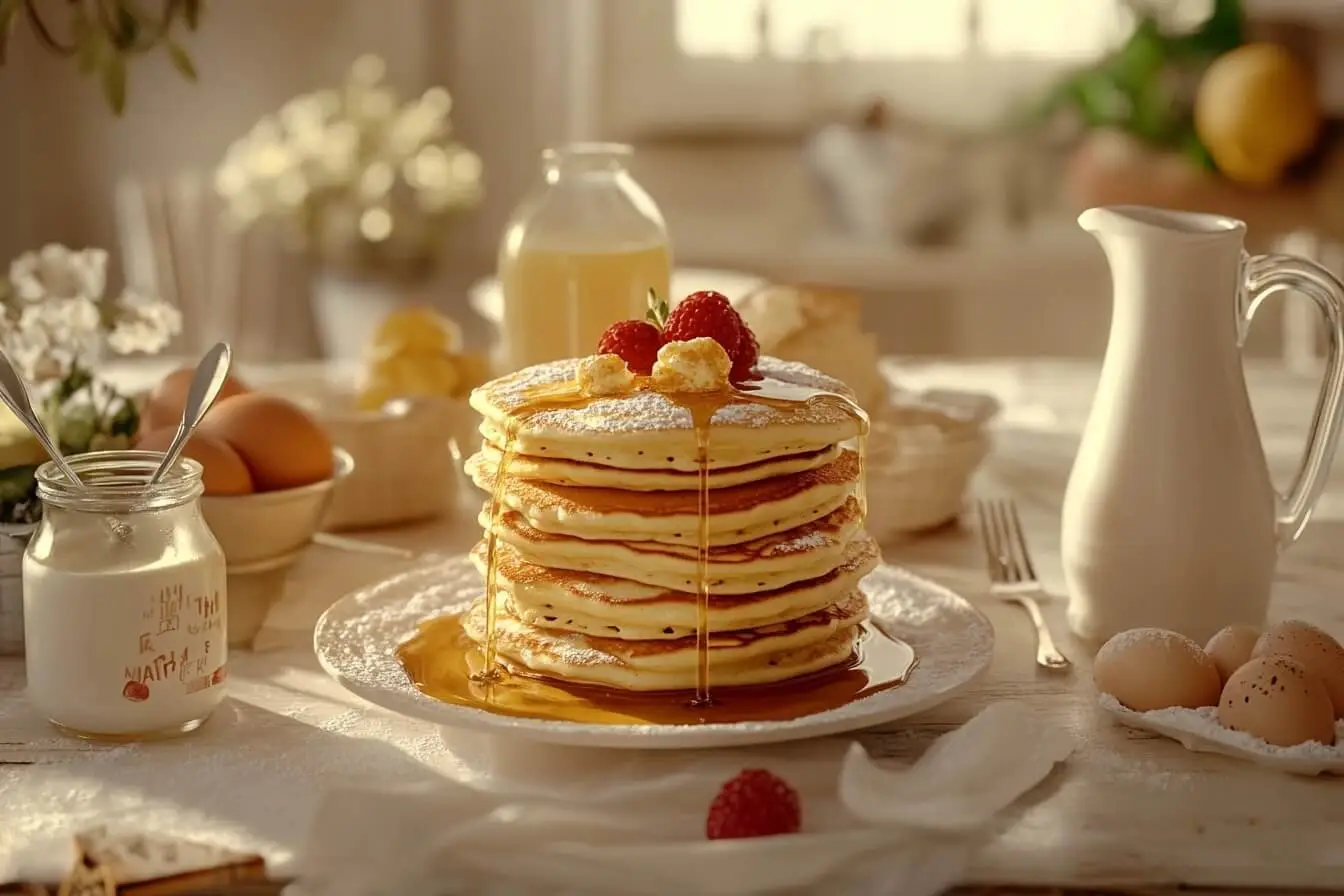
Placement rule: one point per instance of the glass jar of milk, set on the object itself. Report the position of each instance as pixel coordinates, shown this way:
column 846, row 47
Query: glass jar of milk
column 124, row 606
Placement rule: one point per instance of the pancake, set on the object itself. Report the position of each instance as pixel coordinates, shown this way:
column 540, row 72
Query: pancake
column 558, row 471
column 752, row 657
column 736, row 514
column 774, row 561
column 608, row 607
column 597, row 565
column 649, row 430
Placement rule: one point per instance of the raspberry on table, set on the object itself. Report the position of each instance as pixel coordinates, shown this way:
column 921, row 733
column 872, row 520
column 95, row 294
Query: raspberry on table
column 635, row 341
column 705, row 314
column 745, row 358
column 756, row 803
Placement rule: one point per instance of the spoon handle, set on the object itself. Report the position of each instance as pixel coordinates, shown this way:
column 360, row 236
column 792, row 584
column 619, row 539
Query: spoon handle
column 14, row 393
column 205, row 385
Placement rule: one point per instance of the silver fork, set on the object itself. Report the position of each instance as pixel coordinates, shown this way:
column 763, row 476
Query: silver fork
column 1012, row 575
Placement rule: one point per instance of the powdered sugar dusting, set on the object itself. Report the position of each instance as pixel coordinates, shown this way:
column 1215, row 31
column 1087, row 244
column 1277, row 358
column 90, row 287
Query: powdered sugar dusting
column 1199, row 730
column 648, row 411
column 801, row 544
column 1137, row 637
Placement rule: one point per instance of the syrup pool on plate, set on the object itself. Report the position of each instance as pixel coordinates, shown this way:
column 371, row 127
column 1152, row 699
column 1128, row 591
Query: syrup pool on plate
column 446, row 664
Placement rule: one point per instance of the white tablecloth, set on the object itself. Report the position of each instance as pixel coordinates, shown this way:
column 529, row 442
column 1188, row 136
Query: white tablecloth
column 251, row 777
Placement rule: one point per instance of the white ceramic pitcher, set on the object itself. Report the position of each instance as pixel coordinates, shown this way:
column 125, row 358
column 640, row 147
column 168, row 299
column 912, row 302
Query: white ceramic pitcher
column 1170, row 518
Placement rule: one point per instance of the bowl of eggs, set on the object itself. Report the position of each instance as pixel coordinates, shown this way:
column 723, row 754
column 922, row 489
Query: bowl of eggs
column 269, row 472
column 400, row 420
column 1272, row 696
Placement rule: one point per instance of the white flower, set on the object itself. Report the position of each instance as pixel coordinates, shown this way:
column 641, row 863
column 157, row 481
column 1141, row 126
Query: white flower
column 47, row 339
column 334, row 155
column 56, row 272
column 142, row 324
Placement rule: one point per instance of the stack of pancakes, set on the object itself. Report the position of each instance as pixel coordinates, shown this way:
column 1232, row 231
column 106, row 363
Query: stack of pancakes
column 597, row 536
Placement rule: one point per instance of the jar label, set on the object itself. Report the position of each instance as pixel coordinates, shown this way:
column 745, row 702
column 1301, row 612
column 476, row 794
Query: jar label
column 182, row 647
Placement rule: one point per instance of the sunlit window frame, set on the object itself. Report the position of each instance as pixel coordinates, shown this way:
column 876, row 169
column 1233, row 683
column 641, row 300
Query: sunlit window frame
column 650, row 88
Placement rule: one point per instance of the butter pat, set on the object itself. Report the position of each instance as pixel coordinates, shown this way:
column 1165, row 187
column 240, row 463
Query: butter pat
column 604, row 375
column 696, row 365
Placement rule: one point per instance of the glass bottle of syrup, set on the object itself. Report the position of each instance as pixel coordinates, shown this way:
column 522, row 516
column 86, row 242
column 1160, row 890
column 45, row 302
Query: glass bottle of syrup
column 583, row 250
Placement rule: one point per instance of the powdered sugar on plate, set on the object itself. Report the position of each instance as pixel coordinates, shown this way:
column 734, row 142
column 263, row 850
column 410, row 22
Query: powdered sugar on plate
column 1198, row 730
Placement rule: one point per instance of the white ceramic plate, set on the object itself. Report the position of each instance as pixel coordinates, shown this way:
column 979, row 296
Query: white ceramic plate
column 356, row 639
column 1196, row 730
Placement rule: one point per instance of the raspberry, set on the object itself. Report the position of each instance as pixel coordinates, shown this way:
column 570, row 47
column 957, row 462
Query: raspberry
column 636, row 341
column 705, row 314
column 745, row 358
column 754, row 804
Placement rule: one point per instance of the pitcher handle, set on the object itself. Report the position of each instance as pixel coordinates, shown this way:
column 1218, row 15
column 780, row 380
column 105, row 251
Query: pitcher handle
column 1262, row 276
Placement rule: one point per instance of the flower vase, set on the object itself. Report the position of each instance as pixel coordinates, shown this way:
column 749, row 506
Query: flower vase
column 13, row 542
column 347, row 311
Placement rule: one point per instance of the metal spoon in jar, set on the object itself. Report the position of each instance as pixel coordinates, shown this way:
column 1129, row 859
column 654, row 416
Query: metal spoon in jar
column 14, row 392
column 205, row 385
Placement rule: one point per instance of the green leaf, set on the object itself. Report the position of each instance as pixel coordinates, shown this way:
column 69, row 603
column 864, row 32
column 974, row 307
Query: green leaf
column 180, row 60
column 657, row 314
column 114, row 82
column 92, row 47
column 9, row 14
column 126, row 420
column 127, row 30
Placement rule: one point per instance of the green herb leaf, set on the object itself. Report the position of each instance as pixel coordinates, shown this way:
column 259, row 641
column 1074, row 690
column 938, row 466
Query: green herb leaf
column 114, row 82
column 657, row 314
column 181, row 61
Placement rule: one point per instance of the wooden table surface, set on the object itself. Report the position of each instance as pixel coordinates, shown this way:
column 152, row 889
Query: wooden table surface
column 1130, row 812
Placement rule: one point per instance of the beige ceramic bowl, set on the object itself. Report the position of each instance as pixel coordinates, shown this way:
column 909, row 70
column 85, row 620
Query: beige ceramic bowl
column 262, row 535
column 405, row 469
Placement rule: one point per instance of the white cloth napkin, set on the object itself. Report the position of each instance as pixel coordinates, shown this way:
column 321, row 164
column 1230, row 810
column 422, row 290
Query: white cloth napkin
column 598, row 822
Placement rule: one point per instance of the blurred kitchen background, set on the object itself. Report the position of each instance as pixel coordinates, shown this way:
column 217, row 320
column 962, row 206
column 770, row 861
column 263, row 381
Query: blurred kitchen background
column 930, row 155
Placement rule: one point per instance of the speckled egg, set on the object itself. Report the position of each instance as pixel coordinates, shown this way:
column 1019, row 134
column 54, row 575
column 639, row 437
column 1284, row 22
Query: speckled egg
column 1277, row 700
column 1231, row 648
column 1319, row 654
column 1152, row 668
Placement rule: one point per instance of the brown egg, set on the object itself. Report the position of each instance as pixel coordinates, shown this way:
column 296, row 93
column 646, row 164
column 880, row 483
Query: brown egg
column 281, row 444
column 1231, row 647
column 223, row 471
column 1152, row 668
column 1319, row 654
column 164, row 405
column 1277, row 700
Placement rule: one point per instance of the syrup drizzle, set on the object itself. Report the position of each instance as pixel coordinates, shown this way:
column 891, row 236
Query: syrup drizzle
column 478, row 684
column 702, row 696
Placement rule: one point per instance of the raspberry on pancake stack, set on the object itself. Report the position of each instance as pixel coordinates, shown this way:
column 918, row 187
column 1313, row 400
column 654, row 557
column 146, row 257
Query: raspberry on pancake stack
column 598, row 532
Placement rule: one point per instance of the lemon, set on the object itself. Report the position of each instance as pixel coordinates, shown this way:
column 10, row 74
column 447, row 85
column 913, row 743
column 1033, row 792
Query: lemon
column 416, row 329
column 408, row 375
column 1257, row 113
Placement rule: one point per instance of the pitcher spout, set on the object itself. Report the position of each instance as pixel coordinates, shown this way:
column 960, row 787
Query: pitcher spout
column 1142, row 220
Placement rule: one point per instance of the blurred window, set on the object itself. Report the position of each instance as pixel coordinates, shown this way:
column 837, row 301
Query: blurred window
column 750, row 65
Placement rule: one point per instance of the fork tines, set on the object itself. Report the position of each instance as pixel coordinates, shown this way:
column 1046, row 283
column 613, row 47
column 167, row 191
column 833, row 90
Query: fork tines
column 1005, row 544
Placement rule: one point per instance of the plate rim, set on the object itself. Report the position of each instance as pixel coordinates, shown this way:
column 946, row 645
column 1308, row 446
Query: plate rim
column 651, row 736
